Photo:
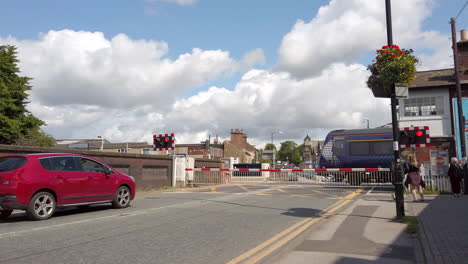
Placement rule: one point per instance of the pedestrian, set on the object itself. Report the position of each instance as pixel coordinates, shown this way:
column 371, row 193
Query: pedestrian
column 414, row 177
column 455, row 174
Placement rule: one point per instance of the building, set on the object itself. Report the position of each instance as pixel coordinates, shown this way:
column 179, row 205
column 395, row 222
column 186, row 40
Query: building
column 107, row 146
column 432, row 103
column 238, row 147
column 203, row 150
column 311, row 152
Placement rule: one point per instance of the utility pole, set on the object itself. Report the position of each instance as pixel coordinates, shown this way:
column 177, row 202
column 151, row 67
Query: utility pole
column 461, row 124
column 397, row 172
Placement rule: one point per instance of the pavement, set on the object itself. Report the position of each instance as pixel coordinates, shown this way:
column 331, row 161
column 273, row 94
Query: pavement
column 367, row 232
column 443, row 222
column 364, row 232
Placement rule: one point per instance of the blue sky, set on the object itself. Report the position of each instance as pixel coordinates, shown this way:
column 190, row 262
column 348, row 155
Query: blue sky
column 237, row 26
column 224, row 30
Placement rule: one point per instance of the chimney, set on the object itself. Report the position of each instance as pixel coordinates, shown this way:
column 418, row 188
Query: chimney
column 463, row 56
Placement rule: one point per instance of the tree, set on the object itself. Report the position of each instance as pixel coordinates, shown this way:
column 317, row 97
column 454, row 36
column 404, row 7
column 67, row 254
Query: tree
column 270, row 146
column 15, row 121
column 290, row 151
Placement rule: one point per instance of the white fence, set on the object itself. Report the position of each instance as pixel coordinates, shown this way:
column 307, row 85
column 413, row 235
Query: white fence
column 317, row 177
column 439, row 183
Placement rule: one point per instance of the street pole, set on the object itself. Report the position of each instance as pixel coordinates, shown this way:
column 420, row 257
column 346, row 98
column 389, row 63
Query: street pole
column 274, row 152
column 461, row 124
column 397, row 172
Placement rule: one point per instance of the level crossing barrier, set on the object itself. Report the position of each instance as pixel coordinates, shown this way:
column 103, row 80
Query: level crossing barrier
column 343, row 177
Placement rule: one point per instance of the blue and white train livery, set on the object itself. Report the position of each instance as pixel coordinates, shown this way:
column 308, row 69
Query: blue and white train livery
column 358, row 148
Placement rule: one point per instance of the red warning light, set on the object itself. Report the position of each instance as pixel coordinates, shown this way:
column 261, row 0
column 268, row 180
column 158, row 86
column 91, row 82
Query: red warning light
column 166, row 139
column 419, row 133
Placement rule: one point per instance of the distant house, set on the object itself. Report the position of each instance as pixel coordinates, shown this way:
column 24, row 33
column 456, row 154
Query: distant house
column 238, row 147
column 204, row 150
column 311, row 152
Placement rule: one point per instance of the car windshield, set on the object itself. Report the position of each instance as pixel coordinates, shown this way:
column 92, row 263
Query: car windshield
column 11, row 163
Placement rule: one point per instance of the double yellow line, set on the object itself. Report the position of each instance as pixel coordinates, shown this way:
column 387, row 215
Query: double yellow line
column 264, row 249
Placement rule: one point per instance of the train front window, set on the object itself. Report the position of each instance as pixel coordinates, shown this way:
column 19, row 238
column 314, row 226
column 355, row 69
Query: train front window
column 359, row 148
column 338, row 148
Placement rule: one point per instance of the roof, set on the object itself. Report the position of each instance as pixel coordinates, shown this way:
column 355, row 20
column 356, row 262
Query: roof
column 434, row 78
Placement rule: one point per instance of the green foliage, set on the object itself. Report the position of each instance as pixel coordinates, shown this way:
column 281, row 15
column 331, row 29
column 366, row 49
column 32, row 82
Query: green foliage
column 392, row 65
column 290, row 151
column 15, row 121
column 270, row 146
column 412, row 222
column 35, row 138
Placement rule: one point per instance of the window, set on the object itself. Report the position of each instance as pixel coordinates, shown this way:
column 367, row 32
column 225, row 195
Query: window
column 338, row 148
column 64, row 164
column 359, row 148
column 45, row 163
column 424, row 106
column 91, row 166
column 12, row 163
column 382, row 148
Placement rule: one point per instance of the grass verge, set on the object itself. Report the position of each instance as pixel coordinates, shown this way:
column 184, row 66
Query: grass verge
column 412, row 224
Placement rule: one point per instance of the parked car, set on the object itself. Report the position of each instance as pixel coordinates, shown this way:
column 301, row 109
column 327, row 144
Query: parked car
column 40, row 183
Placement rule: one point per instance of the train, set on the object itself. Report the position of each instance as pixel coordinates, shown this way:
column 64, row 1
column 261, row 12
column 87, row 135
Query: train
column 358, row 148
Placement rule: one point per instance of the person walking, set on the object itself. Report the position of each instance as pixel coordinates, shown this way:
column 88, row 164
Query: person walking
column 455, row 174
column 414, row 177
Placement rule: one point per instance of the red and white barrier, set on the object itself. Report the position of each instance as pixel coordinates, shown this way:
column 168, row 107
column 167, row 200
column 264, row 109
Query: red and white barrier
column 319, row 177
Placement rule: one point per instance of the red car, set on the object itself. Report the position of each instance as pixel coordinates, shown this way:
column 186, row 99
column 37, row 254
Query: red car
column 40, row 183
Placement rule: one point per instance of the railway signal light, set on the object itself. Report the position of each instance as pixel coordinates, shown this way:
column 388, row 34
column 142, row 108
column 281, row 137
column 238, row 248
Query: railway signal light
column 163, row 142
column 414, row 137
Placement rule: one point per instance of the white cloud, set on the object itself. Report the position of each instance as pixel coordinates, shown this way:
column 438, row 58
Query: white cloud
column 345, row 30
column 86, row 68
column 126, row 89
column 253, row 58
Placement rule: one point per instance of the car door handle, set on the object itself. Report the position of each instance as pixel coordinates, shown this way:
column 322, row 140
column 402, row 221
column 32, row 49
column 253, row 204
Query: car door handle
column 90, row 178
column 60, row 177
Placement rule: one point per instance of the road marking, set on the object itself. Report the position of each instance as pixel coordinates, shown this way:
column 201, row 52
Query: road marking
column 290, row 233
column 332, row 195
column 11, row 234
column 280, row 190
column 243, row 187
column 369, row 192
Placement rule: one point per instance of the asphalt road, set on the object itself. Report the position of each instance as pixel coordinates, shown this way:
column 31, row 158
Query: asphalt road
column 208, row 225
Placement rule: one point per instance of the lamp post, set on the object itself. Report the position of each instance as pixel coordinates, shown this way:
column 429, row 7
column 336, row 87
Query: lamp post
column 102, row 143
column 274, row 152
column 397, row 172
column 367, row 119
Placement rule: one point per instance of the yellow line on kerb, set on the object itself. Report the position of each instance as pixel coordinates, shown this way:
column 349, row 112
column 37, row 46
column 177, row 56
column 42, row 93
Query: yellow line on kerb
column 287, row 235
column 243, row 187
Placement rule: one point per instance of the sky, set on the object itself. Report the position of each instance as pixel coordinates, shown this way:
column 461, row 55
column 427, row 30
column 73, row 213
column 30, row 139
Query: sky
column 128, row 69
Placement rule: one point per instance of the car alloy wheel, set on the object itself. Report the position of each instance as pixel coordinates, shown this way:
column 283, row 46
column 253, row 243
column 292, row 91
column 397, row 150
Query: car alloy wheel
column 122, row 197
column 42, row 206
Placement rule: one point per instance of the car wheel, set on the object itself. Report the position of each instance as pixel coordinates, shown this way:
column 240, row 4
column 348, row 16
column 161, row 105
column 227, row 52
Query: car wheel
column 41, row 207
column 121, row 197
column 4, row 214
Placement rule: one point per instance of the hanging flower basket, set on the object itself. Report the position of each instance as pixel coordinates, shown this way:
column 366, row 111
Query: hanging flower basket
column 392, row 65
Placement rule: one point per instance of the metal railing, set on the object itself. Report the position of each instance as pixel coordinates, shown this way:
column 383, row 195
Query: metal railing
column 317, row 177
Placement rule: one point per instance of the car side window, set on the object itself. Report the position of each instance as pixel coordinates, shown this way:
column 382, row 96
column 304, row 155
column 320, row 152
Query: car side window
column 64, row 164
column 91, row 166
column 45, row 163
